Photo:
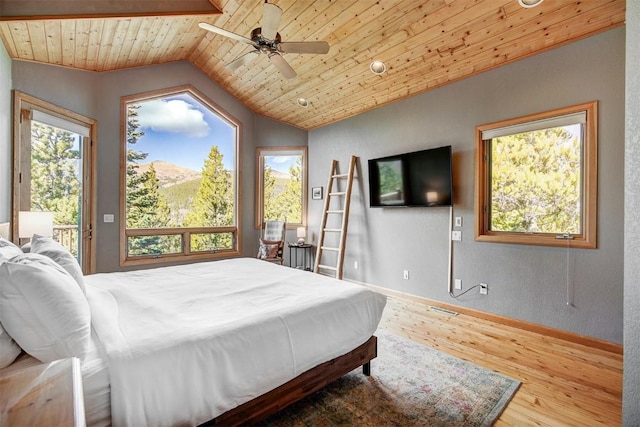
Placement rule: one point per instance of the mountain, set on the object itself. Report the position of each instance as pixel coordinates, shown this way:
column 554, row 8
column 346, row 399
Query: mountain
column 169, row 174
column 280, row 175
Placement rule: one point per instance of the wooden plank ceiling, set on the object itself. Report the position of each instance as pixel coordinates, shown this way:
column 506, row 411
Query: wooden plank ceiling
column 425, row 44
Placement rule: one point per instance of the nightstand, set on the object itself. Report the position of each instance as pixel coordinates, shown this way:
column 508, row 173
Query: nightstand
column 306, row 256
column 45, row 394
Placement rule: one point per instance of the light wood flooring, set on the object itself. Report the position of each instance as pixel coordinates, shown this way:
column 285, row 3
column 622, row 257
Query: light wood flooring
column 564, row 383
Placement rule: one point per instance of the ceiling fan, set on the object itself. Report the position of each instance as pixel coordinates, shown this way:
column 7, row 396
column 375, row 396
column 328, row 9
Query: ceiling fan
column 266, row 39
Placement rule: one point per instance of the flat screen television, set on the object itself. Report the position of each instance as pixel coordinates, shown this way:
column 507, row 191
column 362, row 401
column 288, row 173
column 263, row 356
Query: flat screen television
column 417, row 179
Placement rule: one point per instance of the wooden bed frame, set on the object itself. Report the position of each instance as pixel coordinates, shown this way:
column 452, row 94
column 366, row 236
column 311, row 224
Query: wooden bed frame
column 303, row 385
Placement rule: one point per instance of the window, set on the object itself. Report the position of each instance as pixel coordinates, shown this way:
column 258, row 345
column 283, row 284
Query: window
column 179, row 180
column 536, row 179
column 281, row 186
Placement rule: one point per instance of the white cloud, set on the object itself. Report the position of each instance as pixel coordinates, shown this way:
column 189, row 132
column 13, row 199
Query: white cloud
column 174, row 116
column 282, row 159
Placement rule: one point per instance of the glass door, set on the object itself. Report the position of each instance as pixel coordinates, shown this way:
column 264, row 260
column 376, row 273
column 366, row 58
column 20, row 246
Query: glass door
column 57, row 178
column 54, row 165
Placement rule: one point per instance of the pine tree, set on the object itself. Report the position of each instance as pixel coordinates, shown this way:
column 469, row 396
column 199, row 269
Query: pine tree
column 155, row 214
column 54, row 173
column 289, row 202
column 146, row 207
column 136, row 191
column 269, row 195
column 284, row 204
column 156, row 208
column 213, row 205
column 536, row 182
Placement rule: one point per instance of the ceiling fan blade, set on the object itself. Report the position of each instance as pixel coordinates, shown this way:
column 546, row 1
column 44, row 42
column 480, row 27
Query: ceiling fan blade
column 304, row 47
column 241, row 60
column 283, row 66
column 271, row 15
column 225, row 33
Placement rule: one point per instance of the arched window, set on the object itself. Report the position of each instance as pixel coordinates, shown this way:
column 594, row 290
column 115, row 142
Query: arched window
column 179, row 178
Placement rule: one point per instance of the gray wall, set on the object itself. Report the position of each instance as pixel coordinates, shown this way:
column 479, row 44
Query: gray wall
column 5, row 135
column 631, row 394
column 97, row 95
column 525, row 282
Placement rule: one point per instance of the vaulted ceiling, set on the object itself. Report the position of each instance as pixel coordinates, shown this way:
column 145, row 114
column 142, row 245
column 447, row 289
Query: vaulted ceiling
column 424, row 44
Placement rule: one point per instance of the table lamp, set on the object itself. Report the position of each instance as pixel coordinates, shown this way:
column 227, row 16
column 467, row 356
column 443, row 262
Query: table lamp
column 31, row 222
column 4, row 230
column 432, row 197
column 301, row 232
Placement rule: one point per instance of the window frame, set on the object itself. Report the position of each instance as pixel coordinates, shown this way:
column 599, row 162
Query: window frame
column 184, row 232
column 259, row 189
column 587, row 239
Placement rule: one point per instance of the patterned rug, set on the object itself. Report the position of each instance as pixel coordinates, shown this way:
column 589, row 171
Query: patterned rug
column 410, row 385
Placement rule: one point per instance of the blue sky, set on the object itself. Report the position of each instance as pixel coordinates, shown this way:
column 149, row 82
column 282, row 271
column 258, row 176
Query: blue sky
column 179, row 130
column 280, row 163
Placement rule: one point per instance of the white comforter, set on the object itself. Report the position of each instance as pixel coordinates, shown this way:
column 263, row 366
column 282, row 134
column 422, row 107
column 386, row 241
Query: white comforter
column 187, row 343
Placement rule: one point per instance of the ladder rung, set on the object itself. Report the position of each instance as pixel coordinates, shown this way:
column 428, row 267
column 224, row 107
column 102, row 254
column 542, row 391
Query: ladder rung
column 339, row 193
column 326, row 274
column 340, row 175
column 325, row 248
column 332, row 230
column 335, row 212
column 328, row 267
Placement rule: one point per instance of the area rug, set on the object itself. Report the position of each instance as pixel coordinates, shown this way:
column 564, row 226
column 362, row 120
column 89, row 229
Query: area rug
column 410, row 385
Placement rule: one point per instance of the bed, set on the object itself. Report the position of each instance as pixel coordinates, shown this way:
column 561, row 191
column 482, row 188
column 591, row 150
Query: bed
column 224, row 342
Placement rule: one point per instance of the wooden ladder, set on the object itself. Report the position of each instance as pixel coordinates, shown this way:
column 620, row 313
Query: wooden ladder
column 335, row 209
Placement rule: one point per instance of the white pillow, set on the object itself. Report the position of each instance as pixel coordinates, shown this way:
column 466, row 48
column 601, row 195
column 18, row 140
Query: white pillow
column 5, row 242
column 9, row 350
column 43, row 309
column 54, row 250
column 8, row 250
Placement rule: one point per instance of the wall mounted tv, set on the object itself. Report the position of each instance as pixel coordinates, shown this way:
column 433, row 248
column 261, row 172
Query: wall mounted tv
column 417, row 179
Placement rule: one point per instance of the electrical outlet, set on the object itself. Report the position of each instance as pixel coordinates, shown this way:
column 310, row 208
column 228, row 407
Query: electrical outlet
column 405, row 274
column 457, row 284
column 484, row 289
column 355, row 265
column 456, row 235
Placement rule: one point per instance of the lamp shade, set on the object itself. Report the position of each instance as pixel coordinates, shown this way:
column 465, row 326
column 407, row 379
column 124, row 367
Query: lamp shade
column 30, row 223
column 432, row 196
column 301, row 232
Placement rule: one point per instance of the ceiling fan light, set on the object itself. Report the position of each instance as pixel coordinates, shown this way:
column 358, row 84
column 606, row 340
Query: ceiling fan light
column 529, row 3
column 378, row 67
column 303, row 102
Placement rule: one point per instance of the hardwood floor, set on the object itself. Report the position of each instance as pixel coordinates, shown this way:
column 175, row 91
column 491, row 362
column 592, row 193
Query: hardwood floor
column 564, row 383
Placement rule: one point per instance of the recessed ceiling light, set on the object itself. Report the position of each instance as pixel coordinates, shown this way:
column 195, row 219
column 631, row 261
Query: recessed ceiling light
column 303, row 102
column 529, row 3
column 378, row 67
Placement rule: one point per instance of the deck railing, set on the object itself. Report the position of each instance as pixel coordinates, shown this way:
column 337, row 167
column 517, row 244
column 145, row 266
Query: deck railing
column 67, row 236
